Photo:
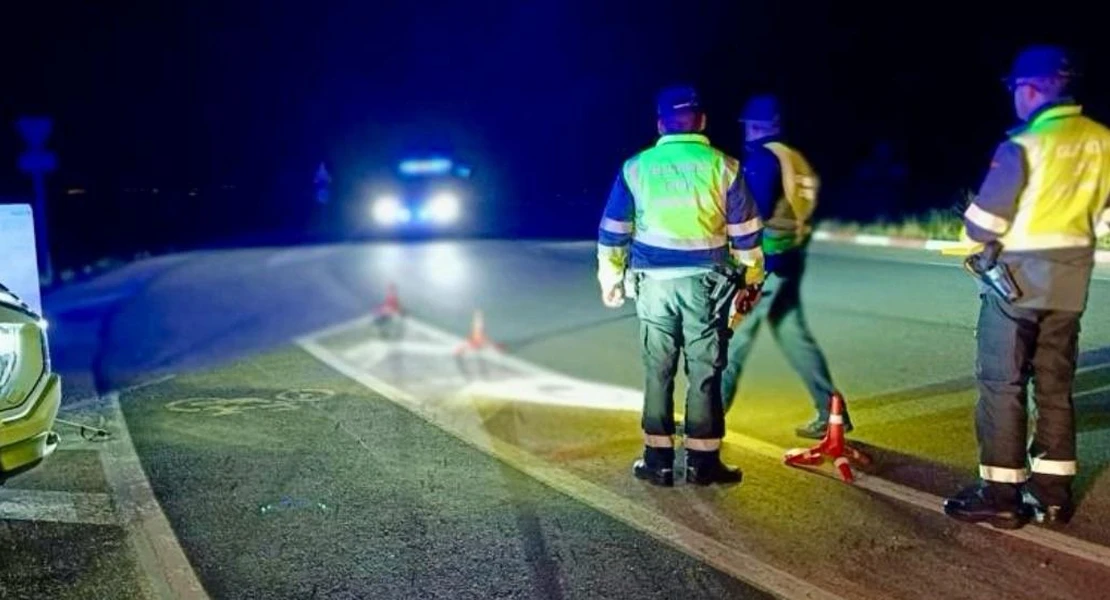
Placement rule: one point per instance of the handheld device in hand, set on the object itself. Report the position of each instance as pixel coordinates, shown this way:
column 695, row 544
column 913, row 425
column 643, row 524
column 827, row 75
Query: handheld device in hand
column 986, row 267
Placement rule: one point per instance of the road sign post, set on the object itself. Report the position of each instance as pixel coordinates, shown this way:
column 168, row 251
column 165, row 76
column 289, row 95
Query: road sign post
column 36, row 161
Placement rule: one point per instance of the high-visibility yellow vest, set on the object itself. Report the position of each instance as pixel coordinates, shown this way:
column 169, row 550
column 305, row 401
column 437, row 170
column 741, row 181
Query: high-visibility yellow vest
column 789, row 226
column 1067, row 161
column 1068, row 158
column 680, row 187
column 681, row 215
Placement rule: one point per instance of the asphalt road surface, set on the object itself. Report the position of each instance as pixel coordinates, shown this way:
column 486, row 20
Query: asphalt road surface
column 268, row 437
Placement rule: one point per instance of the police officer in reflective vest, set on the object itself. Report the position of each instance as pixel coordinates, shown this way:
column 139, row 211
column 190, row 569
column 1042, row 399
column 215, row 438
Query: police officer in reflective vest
column 784, row 187
column 679, row 216
column 1044, row 201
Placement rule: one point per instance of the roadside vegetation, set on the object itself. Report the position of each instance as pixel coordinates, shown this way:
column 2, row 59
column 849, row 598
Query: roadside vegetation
column 936, row 224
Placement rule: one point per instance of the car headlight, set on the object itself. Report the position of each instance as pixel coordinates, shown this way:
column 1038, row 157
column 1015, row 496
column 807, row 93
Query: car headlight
column 388, row 210
column 24, row 358
column 443, row 208
column 9, row 352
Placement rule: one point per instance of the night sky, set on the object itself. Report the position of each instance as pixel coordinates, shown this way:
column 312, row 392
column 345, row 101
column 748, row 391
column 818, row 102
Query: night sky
column 545, row 98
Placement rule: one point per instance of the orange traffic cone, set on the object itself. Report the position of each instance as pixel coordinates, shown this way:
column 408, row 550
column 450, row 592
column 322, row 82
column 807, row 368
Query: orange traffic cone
column 392, row 305
column 477, row 339
column 833, row 446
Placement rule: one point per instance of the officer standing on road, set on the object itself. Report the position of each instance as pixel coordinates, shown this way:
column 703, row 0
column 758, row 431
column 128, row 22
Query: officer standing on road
column 1044, row 201
column 676, row 209
column 784, row 186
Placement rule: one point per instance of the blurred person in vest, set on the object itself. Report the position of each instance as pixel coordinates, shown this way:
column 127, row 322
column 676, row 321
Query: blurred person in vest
column 784, row 187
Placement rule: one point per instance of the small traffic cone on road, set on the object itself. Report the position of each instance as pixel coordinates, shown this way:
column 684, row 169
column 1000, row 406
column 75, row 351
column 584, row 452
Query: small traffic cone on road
column 477, row 339
column 392, row 305
column 833, row 446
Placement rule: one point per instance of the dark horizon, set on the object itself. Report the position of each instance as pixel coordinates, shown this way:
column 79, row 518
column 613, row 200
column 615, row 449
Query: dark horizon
column 544, row 99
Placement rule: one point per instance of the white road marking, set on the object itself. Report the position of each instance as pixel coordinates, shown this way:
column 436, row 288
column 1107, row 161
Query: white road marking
column 940, row 244
column 1097, row 275
column 864, row 241
column 361, row 352
column 738, row 563
column 872, row 240
column 1051, row 540
column 296, row 255
column 131, row 504
column 59, row 507
column 552, row 390
column 210, row 406
column 1058, row 542
column 163, row 561
column 1091, row 392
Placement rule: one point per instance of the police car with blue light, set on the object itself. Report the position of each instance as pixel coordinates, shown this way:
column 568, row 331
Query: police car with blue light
column 428, row 196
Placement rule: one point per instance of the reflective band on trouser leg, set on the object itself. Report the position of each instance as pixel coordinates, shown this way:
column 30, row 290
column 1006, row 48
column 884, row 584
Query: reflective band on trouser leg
column 985, row 220
column 658, row 441
column 701, row 445
column 1002, row 474
column 1063, row 468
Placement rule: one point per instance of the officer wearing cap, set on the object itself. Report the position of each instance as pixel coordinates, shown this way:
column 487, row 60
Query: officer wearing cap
column 1044, row 201
column 784, row 186
column 680, row 218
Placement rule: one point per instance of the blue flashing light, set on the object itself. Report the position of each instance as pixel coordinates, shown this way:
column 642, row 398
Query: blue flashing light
column 430, row 166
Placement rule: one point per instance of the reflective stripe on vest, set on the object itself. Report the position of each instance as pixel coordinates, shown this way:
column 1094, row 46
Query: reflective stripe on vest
column 652, row 238
column 789, row 225
column 1068, row 161
column 680, row 187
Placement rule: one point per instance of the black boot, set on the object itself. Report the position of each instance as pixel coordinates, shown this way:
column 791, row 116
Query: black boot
column 979, row 503
column 656, row 467
column 705, row 467
column 1053, row 516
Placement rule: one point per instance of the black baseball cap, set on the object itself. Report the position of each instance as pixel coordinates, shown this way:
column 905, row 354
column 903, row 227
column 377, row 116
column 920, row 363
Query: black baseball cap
column 677, row 98
column 1041, row 60
column 763, row 108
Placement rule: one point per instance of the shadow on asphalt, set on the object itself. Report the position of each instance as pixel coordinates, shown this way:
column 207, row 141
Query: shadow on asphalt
column 1092, row 403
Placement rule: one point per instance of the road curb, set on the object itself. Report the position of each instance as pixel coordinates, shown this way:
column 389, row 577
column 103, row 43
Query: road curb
column 169, row 574
column 863, row 239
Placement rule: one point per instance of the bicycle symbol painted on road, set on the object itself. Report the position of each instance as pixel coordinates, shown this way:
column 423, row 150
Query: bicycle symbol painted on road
column 285, row 401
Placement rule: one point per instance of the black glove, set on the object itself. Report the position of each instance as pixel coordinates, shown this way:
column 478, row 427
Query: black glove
column 744, row 303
